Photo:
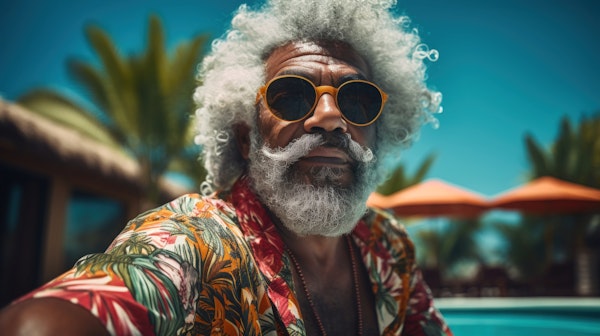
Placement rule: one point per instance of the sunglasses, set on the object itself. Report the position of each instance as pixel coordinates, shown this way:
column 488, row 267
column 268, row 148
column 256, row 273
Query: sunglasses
column 293, row 98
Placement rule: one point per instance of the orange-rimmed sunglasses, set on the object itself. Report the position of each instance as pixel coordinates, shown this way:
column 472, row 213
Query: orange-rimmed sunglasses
column 293, row 98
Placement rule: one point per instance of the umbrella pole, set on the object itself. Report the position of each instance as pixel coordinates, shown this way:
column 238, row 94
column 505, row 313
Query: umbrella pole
column 549, row 238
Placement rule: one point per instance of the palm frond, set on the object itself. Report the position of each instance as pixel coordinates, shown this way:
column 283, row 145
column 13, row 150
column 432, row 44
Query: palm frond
column 537, row 157
column 399, row 179
column 562, row 151
column 423, row 169
column 57, row 107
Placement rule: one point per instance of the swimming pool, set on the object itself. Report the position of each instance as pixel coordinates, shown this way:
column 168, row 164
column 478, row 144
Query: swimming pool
column 521, row 316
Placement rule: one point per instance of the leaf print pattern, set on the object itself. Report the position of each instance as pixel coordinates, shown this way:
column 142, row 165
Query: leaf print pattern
column 205, row 266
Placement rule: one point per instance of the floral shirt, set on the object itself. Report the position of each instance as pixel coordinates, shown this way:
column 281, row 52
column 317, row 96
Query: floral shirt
column 205, row 266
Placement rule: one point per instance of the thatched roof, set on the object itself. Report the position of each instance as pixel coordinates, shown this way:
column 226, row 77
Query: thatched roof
column 48, row 139
column 27, row 134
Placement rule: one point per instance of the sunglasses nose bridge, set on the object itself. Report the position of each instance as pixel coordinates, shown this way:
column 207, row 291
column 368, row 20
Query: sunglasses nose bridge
column 321, row 90
column 326, row 114
column 332, row 91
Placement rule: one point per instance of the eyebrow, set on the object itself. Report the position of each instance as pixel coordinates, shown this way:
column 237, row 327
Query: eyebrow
column 296, row 73
column 341, row 80
column 350, row 77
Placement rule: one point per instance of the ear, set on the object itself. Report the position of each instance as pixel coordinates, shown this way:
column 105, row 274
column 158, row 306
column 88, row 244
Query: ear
column 242, row 137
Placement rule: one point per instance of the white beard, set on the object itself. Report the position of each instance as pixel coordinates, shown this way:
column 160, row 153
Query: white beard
column 323, row 208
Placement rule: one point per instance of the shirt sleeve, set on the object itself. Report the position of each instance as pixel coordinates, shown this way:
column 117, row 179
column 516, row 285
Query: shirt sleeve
column 162, row 270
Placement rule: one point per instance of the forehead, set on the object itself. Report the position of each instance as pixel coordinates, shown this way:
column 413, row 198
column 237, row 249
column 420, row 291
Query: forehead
column 316, row 59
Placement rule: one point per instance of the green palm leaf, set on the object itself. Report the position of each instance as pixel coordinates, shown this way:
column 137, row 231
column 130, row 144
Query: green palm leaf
column 399, row 179
column 537, row 157
column 145, row 102
column 63, row 110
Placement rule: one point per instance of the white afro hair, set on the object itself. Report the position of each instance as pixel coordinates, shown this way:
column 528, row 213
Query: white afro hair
column 232, row 72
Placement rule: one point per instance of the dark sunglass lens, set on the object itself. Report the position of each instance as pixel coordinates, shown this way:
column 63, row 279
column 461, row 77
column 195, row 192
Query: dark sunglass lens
column 360, row 102
column 290, row 98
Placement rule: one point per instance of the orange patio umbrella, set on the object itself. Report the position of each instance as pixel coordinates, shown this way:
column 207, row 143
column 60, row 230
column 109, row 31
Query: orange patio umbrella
column 432, row 198
column 548, row 195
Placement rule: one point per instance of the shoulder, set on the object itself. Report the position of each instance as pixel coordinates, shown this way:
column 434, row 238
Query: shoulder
column 384, row 225
column 385, row 229
column 194, row 205
column 192, row 221
column 192, row 211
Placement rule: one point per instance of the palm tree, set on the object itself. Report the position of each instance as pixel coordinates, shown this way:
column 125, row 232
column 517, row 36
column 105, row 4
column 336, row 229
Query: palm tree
column 141, row 103
column 399, row 179
column 524, row 246
column 448, row 247
column 573, row 156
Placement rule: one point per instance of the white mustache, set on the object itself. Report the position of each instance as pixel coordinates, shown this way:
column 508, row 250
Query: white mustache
column 306, row 143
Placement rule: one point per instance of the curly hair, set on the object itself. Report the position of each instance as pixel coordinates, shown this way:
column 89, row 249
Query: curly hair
column 232, row 72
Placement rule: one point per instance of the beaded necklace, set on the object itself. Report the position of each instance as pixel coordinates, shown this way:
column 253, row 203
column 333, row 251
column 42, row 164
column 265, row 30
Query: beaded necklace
column 354, row 280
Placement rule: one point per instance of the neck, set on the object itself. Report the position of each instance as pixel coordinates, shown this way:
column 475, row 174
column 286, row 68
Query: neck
column 321, row 299
column 313, row 251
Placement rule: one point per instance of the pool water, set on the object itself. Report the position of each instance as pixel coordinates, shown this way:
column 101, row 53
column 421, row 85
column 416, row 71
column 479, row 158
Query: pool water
column 522, row 317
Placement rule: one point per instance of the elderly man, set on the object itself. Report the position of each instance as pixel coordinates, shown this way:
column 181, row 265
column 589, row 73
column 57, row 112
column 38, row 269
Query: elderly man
column 300, row 104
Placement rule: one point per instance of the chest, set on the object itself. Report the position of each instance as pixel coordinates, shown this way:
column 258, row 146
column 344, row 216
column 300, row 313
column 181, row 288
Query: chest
column 339, row 308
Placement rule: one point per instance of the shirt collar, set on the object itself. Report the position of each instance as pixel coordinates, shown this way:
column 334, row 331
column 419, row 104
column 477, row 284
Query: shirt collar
column 268, row 249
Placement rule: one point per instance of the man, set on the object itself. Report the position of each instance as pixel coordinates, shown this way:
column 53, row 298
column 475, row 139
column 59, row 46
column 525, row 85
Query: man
column 300, row 103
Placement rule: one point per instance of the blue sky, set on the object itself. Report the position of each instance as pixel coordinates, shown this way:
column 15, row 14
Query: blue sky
column 505, row 68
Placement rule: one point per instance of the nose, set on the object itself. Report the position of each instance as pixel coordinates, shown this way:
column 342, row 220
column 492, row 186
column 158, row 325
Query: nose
column 326, row 116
